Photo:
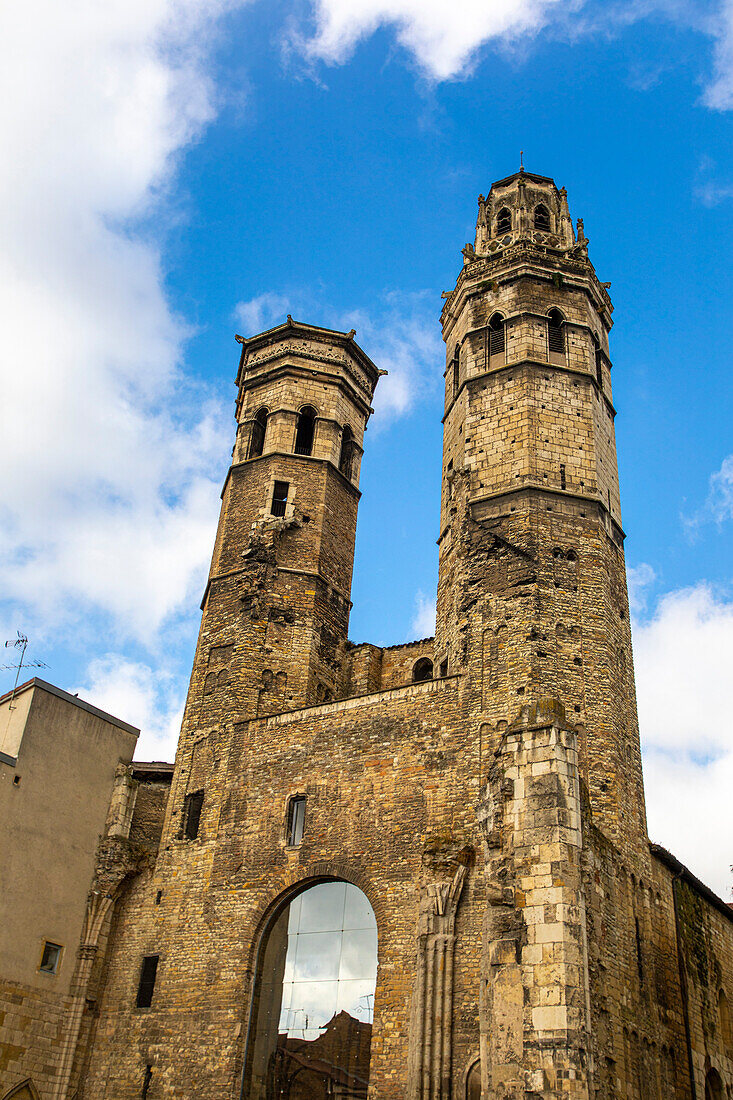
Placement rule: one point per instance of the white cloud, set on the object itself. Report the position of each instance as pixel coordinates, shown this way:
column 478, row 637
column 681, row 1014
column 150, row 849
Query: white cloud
column 399, row 332
column 443, row 38
column 423, row 623
column 263, row 312
column 718, row 506
column 719, row 93
column 638, row 579
column 151, row 699
column 682, row 656
column 115, row 463
column 720, row 500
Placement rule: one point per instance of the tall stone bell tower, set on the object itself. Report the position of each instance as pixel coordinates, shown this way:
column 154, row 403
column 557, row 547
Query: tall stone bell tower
column 532, row 598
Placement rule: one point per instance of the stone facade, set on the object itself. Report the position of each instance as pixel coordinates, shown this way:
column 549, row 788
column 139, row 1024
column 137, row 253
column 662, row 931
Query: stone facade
column 482, row 789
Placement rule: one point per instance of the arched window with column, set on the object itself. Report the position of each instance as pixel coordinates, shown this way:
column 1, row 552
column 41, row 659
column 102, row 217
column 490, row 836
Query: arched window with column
column 314, row 997
column 556, row 336
column 305, row 430
column 542, row 218
column 346, row 454
column 504, row 220
column 497, row 341
column 257, row 435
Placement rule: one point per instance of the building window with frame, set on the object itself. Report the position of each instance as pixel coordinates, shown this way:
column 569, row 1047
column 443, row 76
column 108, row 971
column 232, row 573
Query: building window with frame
column 295, row 820
column 542, row 218
column 279, row 498
column 146, row 984
column 305, row 431
column 497, row 340
column 456, row 371
column 599, row 363
column 347, row 452
column 50, row 957
column 504, row 220
column 422, row 670
column 257, row 436
column 193, row 804
column 556, row 336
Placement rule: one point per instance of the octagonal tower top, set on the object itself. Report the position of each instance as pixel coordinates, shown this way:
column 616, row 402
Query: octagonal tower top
column 525, row 206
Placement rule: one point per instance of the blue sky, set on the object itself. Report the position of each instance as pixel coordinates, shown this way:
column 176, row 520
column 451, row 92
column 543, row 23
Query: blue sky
column 182, row 170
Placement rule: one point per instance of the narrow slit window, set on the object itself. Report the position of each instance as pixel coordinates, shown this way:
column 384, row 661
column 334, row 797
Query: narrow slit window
column 456, row 370
column 279, row 498
column 497, row 339
column 504, row 220
column 556, row 334
column 50, row 957
column 542, row 218
column 563, row 480
column 347, row 452
column 146, row 1081
column 305, row 431
column 146, row 985
column 296, row 820
column 639, row 961
column 192, row 807
column 257, row 438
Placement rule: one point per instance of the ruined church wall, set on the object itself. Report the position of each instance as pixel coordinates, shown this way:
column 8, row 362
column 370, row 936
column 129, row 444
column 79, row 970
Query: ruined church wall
column 391, row 783
column 705, row 936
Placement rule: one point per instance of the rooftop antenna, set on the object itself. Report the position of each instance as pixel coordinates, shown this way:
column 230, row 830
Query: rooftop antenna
column 21, row 643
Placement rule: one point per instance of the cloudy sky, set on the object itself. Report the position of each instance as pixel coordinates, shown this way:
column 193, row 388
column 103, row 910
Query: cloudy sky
column 178, row 170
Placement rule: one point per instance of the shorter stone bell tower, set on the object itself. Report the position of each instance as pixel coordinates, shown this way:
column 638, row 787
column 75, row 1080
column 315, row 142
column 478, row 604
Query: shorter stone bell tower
column 276, row 606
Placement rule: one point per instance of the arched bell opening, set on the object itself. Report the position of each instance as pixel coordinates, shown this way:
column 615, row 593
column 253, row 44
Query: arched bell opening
column 313, row 1005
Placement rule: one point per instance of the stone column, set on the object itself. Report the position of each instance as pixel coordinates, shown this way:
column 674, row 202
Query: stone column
column 429, row 1067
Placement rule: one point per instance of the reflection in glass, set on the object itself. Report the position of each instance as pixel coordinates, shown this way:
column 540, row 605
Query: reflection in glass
column 315, row 999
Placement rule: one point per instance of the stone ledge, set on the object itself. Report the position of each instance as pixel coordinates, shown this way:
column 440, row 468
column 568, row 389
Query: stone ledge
column 339, row 706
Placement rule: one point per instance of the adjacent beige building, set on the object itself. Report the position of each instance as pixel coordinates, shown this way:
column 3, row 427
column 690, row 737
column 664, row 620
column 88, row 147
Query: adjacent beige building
column 58, row 758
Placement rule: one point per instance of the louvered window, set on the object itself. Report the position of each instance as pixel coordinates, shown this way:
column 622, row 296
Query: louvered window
column 542, row 218
column 556, row 334
column 347, row 452
column 279, row 498
column 504, row 220
column 456, row 370
column 305, row 431
column 257, row 438
column 497, row 339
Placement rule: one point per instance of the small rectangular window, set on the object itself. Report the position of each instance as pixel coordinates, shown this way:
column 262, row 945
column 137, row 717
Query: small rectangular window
column 563, row 481
column 146, row 986
column 50, row 957
column 296, row 820
column 192, row 806
column 279, row 498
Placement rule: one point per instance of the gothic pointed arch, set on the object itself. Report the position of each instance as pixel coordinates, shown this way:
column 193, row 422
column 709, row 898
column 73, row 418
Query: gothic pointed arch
column 26, row 1090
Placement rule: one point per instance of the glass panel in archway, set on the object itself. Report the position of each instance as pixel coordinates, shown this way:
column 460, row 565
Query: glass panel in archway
column 315, row 998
